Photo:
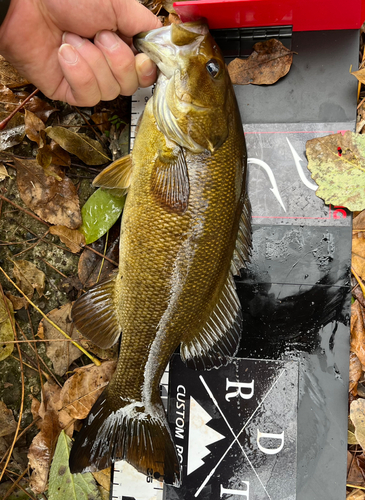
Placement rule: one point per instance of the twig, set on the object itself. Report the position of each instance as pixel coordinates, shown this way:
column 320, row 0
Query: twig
column 94, row 360
column 23, row 384
column 16, row 485
column 359, row 280
column 55, row 269
column 87, row 122
column 102, row 262
column 34, row 244
column 20, row 435
column 23, row 210
column 6, row 120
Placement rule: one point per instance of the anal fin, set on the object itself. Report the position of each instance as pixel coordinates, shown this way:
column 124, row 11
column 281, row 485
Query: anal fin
column 219, row 338
column 117, row 176
column 95, row 316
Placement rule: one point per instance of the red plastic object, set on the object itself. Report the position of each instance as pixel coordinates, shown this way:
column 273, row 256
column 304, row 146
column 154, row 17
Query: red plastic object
column 303, row 15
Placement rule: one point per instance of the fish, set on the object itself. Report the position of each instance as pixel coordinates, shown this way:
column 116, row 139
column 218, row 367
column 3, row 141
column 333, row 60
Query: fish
column 185, row 233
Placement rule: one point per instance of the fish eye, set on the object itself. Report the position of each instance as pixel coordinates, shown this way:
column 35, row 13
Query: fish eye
column 213, row 67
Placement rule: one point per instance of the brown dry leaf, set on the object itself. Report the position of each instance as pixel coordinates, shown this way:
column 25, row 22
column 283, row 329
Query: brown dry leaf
column 72, row 238
column 59, row 155
column 88, row 150
column 80, row 391
column 357, row 415
column 7, row 422
column 90, row 263
column 36, row 105
column 269, row 62
column 3, row 172
column 33, row 125
column 62, row 354
column 41, row 451
column 54, row 201
column 356, row 495
column 355, row 373
column 359, row 222
column 9, row 76
column 358, row 332
column 29, row 277
column 43, row 445
column 101, row 119
column 354, row 475
column 358, row 254
column 103, row 478
column 18, row 302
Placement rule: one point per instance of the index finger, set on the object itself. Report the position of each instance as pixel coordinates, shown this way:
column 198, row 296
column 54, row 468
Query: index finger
column 133, row 17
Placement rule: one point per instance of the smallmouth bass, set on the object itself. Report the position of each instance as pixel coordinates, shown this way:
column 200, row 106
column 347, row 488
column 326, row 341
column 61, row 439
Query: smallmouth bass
column 185, row 232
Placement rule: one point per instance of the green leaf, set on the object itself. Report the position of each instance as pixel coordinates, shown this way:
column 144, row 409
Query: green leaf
column 6, row 330
column 337, row 163
column 88, row 150
column 64, row 485
column 99, row 213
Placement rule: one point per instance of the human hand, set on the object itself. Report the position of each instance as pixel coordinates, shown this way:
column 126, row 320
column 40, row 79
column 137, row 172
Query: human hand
column 48, row 42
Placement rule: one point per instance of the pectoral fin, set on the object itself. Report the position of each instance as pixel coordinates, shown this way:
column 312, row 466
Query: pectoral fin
column 241, row 254
column 117, row 176
column 219, row 338
column 170, row 181
column 94, row 314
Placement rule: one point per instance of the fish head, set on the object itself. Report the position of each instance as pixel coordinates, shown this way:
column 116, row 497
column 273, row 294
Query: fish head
column 193, row 87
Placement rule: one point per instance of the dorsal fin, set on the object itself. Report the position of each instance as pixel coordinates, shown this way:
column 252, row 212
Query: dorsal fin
column 241, row 254
column 94, row 314
column 219, row 338
column 170, row 181
column 117, row 176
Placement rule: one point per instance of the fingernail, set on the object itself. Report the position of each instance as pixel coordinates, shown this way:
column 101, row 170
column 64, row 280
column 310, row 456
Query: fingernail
column 147, row 67
column 68, row 53
column 108, row 39
column 72, row 39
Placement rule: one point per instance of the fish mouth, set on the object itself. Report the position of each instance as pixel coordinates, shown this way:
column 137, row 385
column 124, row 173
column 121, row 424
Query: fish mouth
column 157, row 45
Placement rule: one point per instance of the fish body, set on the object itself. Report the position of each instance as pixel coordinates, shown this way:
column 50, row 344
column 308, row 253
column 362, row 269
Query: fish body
column 185, row 232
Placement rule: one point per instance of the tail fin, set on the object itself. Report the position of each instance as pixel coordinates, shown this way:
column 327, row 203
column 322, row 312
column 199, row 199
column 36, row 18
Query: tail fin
column 128, row 433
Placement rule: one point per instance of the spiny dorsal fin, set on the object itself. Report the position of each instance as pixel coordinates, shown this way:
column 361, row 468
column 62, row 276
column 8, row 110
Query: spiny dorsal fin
column 241, row 254
column 218, row 340
column 117, row 176
column 94, row 314
column 170, row 181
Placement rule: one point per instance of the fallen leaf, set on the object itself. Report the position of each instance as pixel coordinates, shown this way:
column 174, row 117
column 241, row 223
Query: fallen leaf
column 80, row 391
column 358, row 332
column 72, row 238
column 33, row 125
column 41, row 451
column 59, row 155
column 29, row 277
column 88, row 150
column 14, row 132
column 9, row 76
column 358, row 223
column 269, row 62
column 356, row 495
column 3, row 172
column 103, row 478
column 100, row 213
column 101, row 119
column 351, row 438
column 54, row 201
column 355, row 373
column 6, row 329
column 62, row 354
column 357, row 415
column 358, row 254
column 36, row 105
column 337, row 163
column 354, row 474
column 63, row 484
column 7, row 422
